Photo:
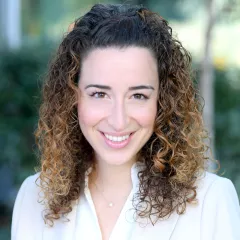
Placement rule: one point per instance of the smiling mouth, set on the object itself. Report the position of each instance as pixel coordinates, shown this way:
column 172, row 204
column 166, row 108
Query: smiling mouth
column 117, row 141
column 116, row 138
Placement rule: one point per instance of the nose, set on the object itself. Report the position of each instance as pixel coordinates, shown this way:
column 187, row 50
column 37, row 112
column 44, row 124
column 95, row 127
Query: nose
column 118, row 118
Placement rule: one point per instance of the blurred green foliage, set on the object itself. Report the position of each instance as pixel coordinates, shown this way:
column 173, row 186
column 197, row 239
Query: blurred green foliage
column 21, row 73
column 227, row 123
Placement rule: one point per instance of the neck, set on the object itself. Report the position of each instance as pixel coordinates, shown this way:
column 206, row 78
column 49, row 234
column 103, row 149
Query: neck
column 112, row 176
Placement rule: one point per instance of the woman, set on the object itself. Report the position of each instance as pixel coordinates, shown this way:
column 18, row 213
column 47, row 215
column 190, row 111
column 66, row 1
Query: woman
column 121, row 140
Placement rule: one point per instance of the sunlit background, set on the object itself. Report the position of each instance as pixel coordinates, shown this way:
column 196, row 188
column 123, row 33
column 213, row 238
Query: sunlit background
column 30, row 31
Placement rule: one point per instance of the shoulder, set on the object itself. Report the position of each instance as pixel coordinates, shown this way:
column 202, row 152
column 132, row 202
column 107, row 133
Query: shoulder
column 30, row 182
column 29, row 188
column 210, row 184
column 220, row 211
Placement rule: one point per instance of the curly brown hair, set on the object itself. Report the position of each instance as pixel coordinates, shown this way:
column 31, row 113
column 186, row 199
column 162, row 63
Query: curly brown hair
column 174, row 156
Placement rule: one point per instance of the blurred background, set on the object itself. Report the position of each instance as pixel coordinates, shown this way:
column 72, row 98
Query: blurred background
column 30, row 31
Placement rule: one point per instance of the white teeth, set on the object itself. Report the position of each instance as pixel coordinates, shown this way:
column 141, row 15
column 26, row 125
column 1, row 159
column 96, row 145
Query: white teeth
column 116, row 139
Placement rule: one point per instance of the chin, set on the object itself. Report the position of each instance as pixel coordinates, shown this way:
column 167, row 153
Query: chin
column 117, row 160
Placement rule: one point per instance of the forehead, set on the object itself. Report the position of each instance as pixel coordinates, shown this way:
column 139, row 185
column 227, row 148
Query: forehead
column 115, row 67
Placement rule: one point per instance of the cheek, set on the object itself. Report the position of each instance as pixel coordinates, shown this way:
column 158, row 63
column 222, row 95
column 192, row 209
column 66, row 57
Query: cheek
column 146, row 115
column 89, row 114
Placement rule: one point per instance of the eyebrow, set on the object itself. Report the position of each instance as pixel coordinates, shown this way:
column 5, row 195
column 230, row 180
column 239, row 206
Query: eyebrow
column 130, row 88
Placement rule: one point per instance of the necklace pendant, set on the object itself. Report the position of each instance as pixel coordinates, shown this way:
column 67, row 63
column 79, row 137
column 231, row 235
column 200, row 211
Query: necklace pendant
column 110, row 204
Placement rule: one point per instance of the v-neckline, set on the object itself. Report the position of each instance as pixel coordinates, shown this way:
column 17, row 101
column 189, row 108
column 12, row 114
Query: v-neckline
column 126, row 209
column 126, row 206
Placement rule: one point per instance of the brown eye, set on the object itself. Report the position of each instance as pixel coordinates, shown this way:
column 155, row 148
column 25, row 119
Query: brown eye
column 98, row 95
column 140, row 96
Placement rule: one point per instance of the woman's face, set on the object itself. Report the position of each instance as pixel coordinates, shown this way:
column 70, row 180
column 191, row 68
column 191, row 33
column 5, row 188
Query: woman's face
column 117, row 103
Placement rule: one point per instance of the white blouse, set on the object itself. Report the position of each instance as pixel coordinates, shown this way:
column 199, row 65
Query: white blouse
column 215, row 217
column 87, row 214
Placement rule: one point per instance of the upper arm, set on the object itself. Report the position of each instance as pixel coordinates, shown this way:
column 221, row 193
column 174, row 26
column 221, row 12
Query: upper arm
column 18, row 207
column 221, row 212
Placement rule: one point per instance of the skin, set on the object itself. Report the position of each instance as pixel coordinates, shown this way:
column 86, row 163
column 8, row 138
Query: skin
column 118, row 108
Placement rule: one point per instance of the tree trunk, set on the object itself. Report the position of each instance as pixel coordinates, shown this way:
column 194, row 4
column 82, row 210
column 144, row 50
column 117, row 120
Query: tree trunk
column 207, row 76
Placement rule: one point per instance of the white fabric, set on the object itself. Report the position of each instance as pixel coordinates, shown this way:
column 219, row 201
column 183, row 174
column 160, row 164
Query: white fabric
column 215, row 217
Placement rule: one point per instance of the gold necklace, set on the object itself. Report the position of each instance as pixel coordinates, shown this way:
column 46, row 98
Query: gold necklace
column 109, row 203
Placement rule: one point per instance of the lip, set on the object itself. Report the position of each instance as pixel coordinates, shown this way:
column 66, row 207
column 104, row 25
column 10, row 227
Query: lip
column 117, row 145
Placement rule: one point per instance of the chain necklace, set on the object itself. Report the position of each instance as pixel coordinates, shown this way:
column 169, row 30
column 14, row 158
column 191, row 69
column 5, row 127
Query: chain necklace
column 109, row 203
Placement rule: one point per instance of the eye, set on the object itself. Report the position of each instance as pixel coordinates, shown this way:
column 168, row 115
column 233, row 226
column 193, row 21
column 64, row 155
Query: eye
column 98, row 94
column 140, row 96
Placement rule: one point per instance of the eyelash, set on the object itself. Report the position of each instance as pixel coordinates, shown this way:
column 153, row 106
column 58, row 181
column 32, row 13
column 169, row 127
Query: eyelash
column 142, row 96
column 94, row 94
